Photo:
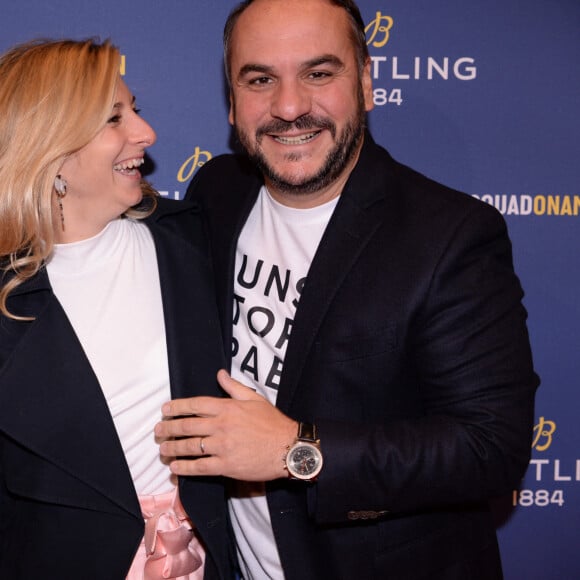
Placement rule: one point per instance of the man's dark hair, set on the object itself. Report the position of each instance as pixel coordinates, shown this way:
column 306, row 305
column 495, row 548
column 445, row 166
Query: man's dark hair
column 358, row 34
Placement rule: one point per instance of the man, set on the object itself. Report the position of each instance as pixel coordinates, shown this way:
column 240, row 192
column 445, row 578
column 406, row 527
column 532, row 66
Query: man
column 371, row 306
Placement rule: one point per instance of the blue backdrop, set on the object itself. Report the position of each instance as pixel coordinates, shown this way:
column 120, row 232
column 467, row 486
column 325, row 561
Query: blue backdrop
column 482, row 96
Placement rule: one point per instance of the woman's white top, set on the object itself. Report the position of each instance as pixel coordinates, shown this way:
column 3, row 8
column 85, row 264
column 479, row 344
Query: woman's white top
column 109, row 288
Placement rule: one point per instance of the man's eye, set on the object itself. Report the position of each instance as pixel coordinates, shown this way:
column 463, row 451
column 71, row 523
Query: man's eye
column 319, row 75
column 260, row 81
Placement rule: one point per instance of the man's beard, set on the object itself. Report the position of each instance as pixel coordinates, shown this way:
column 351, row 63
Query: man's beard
column 336, row 160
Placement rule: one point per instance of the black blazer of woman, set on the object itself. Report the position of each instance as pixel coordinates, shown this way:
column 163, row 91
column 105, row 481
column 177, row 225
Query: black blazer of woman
column 68, row 507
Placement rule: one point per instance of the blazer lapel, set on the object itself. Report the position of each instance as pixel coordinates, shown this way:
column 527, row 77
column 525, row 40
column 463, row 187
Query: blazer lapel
column 344, row 239
column 232, row 217
column 51, row 402
column 353, row 223
column 194, row 343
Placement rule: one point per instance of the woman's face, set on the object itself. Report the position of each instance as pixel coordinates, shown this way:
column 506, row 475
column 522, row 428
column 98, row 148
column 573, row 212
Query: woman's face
column 103, row 178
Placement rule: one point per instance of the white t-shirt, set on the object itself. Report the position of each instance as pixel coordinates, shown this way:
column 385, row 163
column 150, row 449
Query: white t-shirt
column 109, row 288
column 274, row 253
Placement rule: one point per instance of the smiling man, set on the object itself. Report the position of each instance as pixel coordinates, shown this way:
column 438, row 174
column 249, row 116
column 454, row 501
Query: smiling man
column 375, row 313
column 300, row 116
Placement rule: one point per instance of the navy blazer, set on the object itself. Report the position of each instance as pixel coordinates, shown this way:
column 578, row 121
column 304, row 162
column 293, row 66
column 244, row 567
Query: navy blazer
column 409, row 350
column 68, row 507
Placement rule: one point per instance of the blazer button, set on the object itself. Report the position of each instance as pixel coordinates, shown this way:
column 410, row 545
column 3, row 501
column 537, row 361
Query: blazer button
column 365, row 514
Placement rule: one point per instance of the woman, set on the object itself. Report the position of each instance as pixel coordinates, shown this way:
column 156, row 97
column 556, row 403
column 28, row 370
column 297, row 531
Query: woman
column 106, row 311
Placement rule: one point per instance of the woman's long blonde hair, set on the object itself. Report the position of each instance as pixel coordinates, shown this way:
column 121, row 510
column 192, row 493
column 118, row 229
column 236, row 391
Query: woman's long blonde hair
column 55, row 96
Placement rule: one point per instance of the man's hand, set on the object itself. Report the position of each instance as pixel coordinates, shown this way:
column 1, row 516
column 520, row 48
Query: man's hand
column 244, row 437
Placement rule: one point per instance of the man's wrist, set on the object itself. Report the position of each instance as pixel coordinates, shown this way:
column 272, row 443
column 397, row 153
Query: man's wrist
column 304, row 459
column 289, row 440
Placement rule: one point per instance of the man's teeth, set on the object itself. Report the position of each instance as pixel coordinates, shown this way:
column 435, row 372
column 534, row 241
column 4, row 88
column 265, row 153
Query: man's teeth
column 296, row 140
column 129, row 164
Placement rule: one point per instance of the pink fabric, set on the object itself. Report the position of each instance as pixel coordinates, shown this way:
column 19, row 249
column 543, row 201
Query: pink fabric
column 169, row 548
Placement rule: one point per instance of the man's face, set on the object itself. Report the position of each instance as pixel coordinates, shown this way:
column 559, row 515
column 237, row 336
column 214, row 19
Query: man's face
column 298, row 101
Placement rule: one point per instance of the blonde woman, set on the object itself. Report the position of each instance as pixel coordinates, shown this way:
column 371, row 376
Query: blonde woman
column 106, row 311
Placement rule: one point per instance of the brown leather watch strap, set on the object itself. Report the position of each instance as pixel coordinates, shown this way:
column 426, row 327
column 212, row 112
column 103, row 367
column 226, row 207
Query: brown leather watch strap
column 307, row 432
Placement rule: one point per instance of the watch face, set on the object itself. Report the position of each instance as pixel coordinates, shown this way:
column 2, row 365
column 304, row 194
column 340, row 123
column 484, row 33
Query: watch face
column 304, row 461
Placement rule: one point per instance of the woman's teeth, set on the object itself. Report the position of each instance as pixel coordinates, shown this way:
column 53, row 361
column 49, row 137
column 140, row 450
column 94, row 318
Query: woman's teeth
column 130, row 165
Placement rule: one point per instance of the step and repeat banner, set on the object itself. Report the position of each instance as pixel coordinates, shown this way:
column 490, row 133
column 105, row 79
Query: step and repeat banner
column 483, row 96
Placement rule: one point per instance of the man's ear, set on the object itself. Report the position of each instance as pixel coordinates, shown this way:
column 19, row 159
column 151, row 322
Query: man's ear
column 231, row 116
column 367, row 86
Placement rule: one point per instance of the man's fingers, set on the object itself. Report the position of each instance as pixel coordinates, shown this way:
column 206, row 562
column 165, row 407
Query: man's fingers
column 235, row 389
column 179, row 407
column 192, row 406
column 189, row 447
column 202, row 466
column 183, row 427
column 209, row 406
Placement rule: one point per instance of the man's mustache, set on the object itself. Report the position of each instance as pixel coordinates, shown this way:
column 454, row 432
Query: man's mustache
column 300, row 124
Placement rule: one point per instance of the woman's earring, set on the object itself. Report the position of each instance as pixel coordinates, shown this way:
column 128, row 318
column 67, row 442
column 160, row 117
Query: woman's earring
column 60, row 188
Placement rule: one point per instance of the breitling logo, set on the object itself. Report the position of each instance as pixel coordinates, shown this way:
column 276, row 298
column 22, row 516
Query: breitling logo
column 402, row 69
column 543, row 433
column 192, row 163
column 378, row 30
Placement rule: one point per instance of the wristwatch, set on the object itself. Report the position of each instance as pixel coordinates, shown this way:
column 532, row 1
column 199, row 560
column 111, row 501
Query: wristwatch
column 304, row 458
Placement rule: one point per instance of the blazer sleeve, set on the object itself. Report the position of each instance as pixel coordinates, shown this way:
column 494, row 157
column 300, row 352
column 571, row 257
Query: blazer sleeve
column 472, row 365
